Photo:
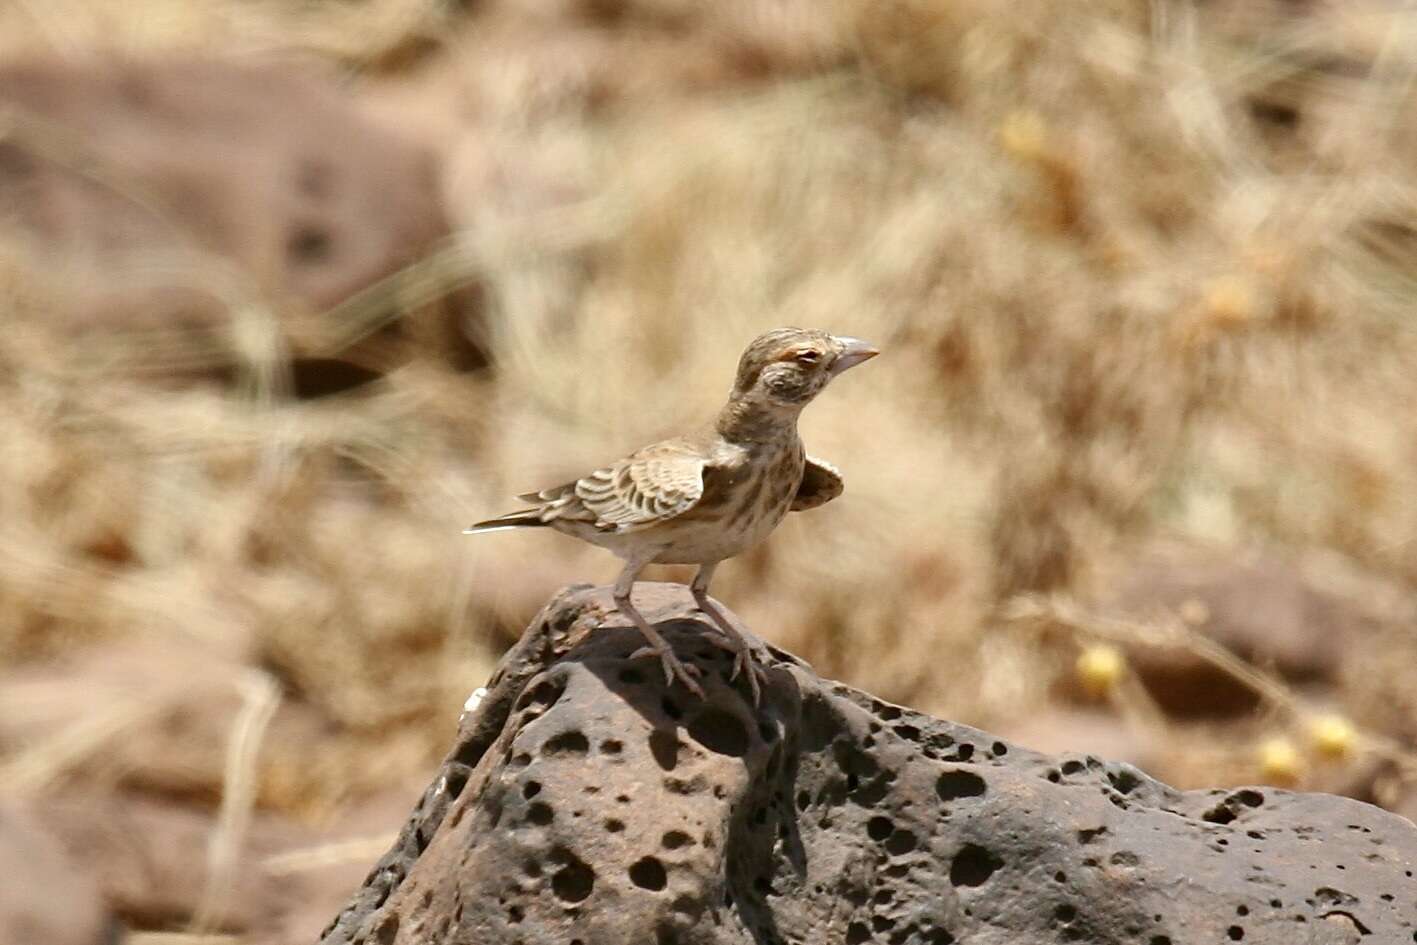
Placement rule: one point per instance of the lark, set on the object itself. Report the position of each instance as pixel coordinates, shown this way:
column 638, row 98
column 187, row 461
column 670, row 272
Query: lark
column 703, row 498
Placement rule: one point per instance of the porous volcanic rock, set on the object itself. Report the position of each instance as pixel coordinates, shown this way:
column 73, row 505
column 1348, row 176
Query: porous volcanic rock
column 585, row 802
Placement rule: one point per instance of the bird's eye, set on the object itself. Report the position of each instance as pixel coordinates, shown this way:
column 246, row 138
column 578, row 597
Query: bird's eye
column 807, row 357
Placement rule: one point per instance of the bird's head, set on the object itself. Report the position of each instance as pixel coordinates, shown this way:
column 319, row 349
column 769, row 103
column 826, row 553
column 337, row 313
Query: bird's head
column 790, row 366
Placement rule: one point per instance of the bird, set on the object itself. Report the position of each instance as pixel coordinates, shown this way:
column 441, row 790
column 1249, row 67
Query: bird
column 710, row 495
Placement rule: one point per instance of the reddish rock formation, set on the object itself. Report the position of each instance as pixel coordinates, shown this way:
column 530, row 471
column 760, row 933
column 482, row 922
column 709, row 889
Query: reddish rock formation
column 586, row 802
column 1261, row 609
column 174, row 194
column 45, row 897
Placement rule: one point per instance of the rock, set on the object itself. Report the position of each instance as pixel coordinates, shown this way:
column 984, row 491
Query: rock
column 172, row 702
column 1263, row 610
column 150, row 858
column 169, row 194
column 46, row 897
column 586, row 802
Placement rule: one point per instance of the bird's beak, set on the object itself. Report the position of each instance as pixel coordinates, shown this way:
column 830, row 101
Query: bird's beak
column 853, row 352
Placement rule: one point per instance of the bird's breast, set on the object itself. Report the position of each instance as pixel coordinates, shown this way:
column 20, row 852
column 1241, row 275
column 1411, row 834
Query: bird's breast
column 739, row 509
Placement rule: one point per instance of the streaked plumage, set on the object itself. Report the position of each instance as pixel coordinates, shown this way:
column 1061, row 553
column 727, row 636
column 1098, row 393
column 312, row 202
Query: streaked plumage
column 703, row 498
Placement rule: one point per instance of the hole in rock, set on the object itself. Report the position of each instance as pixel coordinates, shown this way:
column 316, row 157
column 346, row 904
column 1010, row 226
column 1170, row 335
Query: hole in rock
column 900, row 843
column 1125, row 780
column 573, row 742
column 387, row 931
column 1219, row 814
column 540, row 814
column 878, row 828
column 612, row 746
column 953, row 785
column 574, row 881
column 973, row 865
column 675, row 839
column 456, row 781
column 531, row 789
column 648, row 873
column 543, row 694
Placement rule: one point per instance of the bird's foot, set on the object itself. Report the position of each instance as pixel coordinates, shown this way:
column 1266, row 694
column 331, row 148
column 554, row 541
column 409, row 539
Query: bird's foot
column 743, row 662
column 674, row 668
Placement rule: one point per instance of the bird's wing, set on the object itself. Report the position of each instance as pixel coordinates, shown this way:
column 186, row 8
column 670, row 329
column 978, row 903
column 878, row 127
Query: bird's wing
column 820, row 484
column 646, row 487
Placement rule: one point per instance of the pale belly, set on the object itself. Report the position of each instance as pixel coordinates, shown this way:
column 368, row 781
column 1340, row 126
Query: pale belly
column 700, row 542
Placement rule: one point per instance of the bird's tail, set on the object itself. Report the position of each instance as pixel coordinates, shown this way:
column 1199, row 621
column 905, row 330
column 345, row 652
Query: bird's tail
column 522, row 518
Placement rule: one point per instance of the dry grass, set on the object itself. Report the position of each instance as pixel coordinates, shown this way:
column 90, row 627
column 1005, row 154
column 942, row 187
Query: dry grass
column 1122, row 297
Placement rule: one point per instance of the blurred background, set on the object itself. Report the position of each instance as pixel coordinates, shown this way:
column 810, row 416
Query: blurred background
column 293, row 290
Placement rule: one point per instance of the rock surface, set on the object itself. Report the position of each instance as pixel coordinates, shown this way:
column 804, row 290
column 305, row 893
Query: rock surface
column 1262, row 609
column 584, row 802
column 45, row 897
column 174, row 193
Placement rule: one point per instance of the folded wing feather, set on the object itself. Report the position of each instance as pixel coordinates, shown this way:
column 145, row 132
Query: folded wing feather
column 648, row 486
column 821, row 482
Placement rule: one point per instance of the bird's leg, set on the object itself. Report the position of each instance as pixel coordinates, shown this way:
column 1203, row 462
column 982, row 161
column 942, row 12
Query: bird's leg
column 658, row 646
column 732, row 641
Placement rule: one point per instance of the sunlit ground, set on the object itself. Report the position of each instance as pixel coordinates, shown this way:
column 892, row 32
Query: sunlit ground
column 1143, row 279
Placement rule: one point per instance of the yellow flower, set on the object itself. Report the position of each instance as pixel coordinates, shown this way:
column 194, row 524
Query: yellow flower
column 1280, row 761
column 1099, row 668
column 1333, row 735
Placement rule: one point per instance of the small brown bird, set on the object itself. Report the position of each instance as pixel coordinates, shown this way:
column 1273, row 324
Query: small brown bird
column 702, row 498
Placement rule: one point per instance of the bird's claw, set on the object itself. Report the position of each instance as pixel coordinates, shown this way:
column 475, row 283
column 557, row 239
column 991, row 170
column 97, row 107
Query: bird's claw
column 743, row 663
column 674, row 668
